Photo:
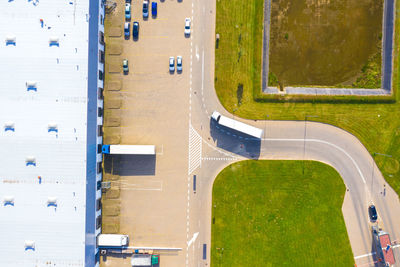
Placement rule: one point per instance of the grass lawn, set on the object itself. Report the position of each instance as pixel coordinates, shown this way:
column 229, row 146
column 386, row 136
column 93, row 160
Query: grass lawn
column 267, row 213
column 238, row 62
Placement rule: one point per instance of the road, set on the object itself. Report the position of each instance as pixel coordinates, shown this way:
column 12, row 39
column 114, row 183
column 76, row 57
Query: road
column 158, row 204
column 283, row 140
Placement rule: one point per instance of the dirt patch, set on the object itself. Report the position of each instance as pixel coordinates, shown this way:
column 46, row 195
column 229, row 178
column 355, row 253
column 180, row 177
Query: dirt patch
column 115, row 31
column 111, row 207
column 114, row 49
column 110, row 177
column 113, row 136
column 324, row 42
column 112, row 193
column 114, row 85
column 112, row 103
column 110, row 225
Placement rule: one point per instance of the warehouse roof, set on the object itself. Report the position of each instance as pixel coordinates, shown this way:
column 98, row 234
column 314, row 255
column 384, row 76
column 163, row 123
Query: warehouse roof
column 43, row 107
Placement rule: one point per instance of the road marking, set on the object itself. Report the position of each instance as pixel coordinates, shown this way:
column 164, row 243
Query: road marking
column 197, row 53
column 365, row 255
column 139, row 186
column 323, row 142
column 193, row 239
column 208, row 158
column 195, row 146
column 202, row 73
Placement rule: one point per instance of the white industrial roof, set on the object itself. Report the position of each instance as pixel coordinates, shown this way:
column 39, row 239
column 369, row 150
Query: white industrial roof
column 43, row 113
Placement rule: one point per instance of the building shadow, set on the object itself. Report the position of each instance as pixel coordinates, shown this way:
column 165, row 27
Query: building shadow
column 130, row 165
column 234, row 141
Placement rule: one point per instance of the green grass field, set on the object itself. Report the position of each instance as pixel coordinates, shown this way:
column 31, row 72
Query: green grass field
column 267, row 213
column 239, row 24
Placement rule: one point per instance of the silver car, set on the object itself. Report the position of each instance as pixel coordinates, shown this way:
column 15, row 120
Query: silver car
column 187, row 26
column 171, row 64
column 179, row 63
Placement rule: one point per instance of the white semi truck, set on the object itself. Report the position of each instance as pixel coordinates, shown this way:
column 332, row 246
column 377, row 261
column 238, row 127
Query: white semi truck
column 129, row 149
column 237, row 125
column 112, row 240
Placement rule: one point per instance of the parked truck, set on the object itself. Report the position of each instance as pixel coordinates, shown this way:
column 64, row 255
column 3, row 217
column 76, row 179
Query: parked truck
column 129, row 149
column 383, row 245
column 144, row 260
column 237, row 125
column 112, row 240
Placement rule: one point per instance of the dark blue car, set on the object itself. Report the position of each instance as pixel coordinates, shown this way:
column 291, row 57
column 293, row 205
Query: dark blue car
column 154, row 9
column 373, row 215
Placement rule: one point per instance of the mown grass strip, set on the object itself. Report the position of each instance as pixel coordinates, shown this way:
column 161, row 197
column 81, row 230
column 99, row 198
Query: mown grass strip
column 268, row 213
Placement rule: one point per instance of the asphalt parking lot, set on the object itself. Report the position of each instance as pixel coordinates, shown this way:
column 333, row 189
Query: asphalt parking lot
column 141, row 107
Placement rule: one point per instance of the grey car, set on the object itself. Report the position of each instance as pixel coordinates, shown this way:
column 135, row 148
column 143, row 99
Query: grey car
column 171, row 64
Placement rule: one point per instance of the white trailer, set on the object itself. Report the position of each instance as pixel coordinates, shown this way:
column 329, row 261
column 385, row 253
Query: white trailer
column 129, row 149
column 112, row 240
column 237, row 125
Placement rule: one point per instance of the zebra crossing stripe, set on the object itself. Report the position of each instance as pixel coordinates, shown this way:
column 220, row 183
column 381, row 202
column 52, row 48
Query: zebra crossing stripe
column 195, row 146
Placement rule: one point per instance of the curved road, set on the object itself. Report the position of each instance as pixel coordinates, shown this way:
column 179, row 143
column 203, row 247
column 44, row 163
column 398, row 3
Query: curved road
column 285, row 140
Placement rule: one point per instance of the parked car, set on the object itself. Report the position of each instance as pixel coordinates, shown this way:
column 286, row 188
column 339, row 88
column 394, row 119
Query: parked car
column 187, row 26
column 127, row 30
column 373, row 215
column 127, row 11
column 171, row 64
column 154, row 9
column 135, row 30
column 125, row 66
column 145, row 9
column 179, row 63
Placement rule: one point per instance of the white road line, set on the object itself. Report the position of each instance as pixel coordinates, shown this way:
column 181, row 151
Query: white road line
column 210, row 159
column 365, row 255
column 193, row 144
column 323, row 142
column 193, row 239
column 202, row 73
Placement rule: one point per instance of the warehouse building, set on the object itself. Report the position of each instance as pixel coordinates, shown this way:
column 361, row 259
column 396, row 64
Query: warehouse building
column 51, row 105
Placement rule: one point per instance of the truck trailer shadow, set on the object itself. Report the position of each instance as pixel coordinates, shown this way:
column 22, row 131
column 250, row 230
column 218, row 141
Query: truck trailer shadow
column 130, row 165
column 234, row 141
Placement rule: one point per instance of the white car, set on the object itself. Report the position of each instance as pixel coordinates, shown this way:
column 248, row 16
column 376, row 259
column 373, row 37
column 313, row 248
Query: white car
column 179, row 63
column 127, row 11
column 171, row 64
column 187, row 26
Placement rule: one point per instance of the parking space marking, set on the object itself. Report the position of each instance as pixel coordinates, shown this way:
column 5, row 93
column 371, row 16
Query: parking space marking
column 143, row 185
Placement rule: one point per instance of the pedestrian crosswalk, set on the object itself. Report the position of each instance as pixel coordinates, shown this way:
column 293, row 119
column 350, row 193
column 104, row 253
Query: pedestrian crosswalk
column 195, row 146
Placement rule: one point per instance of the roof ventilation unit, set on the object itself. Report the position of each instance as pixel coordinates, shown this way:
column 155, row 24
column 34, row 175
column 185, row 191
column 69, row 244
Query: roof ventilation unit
column 54, row 41
column 52, row 127
column 9, row 126
column 8, row 200
column 30, row 161
column 52, row 201
column 11, row 40
column 29, row 244
column 31, row 85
